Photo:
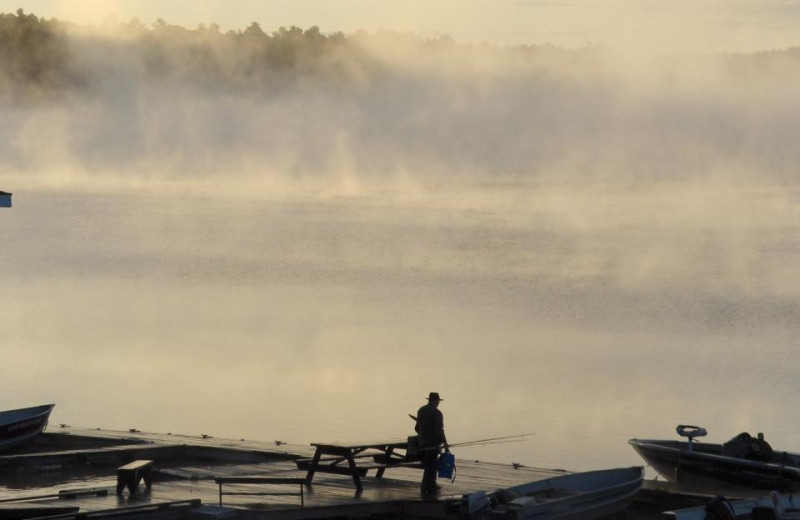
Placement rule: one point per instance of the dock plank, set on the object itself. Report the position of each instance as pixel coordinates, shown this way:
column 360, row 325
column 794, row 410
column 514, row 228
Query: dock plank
column 189, row 472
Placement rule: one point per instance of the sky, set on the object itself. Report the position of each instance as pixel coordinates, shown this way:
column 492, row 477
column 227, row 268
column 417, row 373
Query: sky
column 671, row 26
column 573, row 217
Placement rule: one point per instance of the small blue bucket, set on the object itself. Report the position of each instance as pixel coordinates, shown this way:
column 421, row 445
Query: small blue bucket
column 447, row 465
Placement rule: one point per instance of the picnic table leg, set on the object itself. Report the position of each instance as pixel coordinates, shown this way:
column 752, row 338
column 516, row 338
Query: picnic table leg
column 133, row 483
column 388, row 452
column 354, row 470
column 121, row 482
column 313, row 467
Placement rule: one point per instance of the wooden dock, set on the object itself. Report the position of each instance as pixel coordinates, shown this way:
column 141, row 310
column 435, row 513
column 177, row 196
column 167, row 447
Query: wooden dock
column 82, row 464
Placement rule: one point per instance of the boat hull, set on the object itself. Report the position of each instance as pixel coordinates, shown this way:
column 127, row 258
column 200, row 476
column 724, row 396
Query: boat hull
column 21, row 425
column 585, row 496
column 704, row 466
column 784, row 507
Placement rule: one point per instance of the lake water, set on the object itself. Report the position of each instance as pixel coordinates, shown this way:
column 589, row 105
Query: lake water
column 584, row 314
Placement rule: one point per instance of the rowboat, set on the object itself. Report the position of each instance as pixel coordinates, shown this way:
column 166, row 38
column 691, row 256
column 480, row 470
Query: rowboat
column 18, row 426
column 744, row 461
column 585, row 496
column 775, row 507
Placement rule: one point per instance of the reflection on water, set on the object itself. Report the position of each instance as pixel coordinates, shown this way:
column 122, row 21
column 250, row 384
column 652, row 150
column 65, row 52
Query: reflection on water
column 586, row 315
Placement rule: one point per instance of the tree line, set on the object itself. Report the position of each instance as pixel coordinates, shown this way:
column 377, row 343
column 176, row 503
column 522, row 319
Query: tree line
column 41, row 57
column 32, row 50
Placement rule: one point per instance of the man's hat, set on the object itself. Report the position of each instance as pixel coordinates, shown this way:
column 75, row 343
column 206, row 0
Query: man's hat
column 434, row 396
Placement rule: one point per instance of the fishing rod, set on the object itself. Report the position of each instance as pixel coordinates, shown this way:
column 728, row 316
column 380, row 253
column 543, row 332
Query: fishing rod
column 470, row 444
column 494, row 440
column 491, row 440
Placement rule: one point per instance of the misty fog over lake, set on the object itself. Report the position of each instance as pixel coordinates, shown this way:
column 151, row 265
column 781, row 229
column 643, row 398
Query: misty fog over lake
column 297, row 236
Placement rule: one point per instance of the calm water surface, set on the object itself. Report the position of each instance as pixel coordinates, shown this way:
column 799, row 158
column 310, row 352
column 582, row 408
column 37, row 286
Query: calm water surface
column 585, row 315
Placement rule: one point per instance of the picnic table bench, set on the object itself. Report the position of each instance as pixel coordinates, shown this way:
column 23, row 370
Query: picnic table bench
column 355, row 459
column 132, row 473
column 261, row 480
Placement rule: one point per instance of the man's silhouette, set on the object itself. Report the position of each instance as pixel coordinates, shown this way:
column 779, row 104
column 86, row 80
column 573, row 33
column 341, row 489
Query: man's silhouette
column 430, row 428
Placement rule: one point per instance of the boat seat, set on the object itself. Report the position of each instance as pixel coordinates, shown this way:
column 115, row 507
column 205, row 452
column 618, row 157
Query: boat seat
column 557, row 493
column 504, row 496
column 764, row 513
column 262, row 480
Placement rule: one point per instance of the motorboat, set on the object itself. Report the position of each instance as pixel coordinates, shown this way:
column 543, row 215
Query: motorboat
column 18, row 426
column 773, row 507
column 744, row 461
column 585, row 496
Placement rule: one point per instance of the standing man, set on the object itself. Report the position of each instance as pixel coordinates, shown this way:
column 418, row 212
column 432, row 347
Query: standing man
column 430, row 428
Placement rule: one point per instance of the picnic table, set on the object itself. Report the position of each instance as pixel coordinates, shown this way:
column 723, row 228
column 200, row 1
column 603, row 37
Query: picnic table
column 356, row 459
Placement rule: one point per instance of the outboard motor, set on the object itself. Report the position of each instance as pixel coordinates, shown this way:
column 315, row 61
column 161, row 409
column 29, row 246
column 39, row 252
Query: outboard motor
column 719, row 508
column 745, row 446
column 760, row 449
column 473, row 505
column 738, row 447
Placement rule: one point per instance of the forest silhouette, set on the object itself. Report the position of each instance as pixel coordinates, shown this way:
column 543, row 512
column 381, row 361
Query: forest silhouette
column 163, row 100
column 41, row 57
column 45, row 54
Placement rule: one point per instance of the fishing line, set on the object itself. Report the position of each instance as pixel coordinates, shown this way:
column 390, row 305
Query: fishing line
column 493, row 440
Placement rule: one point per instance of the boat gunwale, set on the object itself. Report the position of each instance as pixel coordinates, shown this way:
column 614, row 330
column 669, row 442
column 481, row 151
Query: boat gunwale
column 617, row 492
column 17, row 416
column 630, row 474
column 712, row 458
